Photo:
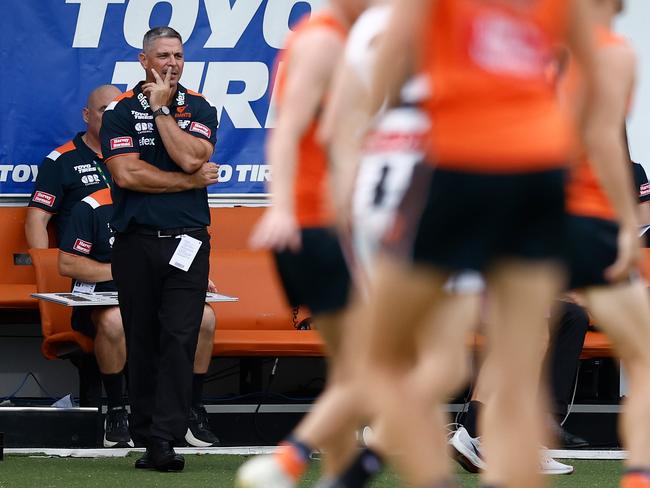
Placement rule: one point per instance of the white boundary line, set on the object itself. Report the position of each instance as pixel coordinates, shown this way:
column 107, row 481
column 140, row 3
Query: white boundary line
column 585, row 454
column 111, row 453
column 588, row 454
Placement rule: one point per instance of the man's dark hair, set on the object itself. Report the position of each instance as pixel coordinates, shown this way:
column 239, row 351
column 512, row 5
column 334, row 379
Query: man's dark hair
column 157, row 33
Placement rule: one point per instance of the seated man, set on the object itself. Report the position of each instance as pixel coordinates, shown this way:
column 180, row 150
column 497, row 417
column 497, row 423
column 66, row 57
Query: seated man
column 85, row 257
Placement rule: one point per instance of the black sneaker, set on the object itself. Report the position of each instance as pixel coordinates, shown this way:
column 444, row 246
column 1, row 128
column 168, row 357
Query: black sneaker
column 198, row 430
column 116, row 428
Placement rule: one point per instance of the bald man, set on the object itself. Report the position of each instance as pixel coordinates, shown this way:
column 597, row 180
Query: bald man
column 69, row 173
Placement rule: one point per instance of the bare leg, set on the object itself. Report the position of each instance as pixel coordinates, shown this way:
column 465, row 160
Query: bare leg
column 110, row 345
column 400, row 312
column 623, row 312
column 203, row 354
column 523, row 294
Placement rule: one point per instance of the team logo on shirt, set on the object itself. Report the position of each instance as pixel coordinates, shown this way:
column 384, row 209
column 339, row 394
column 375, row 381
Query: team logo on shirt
column 82, row 246
column 204, row 130
column 181, row 113
column 143, row 127
column 121, row 142
column 141, row 115
column 44, row 198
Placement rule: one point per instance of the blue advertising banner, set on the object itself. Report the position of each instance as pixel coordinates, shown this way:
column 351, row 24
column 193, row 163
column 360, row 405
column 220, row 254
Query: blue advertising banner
column 54, row 52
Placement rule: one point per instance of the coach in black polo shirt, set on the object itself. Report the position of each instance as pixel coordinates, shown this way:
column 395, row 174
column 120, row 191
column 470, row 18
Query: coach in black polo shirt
column 156, row 141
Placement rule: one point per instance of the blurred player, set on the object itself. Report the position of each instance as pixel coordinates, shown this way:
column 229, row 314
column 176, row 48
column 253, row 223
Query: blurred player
column 383, row 162
column 299, row 228
column 495, row 203
column 601, row 229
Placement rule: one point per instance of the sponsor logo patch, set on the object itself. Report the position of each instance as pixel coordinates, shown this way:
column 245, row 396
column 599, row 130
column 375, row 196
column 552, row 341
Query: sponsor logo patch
column 201, row 129
column 147, row 141
column 143, row 127
column 143, row 101
column 82, row 246
column 141, row 115
column 183, row 124
column 121, row 142
column 44, row 198
column 644, row 190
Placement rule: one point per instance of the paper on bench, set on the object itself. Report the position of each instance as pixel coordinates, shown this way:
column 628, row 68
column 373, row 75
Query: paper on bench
column 106, row 298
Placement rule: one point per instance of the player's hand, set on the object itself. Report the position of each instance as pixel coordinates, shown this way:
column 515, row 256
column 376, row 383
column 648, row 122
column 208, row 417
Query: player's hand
column 277, row 230
column 629, row 254
column 159, row 92
column 206, row 175
column 211, row 286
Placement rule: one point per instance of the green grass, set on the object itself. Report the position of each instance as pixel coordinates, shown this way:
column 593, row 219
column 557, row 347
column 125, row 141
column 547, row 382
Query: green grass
column 217, row 472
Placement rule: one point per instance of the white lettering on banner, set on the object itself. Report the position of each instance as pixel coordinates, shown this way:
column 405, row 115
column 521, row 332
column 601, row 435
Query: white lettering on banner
column 90, row 21
column 228, row 23
column 273, row 103
column 20, row 173
column 276, row 19
column 138, row 13
column 129, row 73
column 252, row 173
column 225, row 173
column 255, row 77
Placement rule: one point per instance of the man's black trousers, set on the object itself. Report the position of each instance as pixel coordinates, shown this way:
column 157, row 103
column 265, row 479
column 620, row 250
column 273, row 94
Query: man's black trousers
column 161, row 308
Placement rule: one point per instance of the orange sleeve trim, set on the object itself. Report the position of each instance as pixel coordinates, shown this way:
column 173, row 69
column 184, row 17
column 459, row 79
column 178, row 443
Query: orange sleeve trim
column 127, row 94
column 196, row 94
column 67, row 147
column 118, row 155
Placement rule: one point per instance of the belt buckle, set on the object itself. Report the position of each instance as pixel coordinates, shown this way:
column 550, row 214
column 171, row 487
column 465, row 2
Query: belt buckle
column 160, row 234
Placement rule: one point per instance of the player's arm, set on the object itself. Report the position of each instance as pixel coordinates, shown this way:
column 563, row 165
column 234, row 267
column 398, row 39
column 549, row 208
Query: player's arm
column 187, row 151
column 398, row 50
column 604, row 115
column 308, row 74
column 131, row 173
column 76, row 246
column 83, row 269
column 346, row 117
column 36, row 222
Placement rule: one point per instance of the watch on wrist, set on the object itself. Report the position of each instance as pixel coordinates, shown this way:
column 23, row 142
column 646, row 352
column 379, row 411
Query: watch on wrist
column 164, row 110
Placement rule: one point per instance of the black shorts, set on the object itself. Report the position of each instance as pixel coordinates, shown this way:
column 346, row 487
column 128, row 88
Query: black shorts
column 317, row 276
column 592, row 248
column 466, row 221
column 82, row 321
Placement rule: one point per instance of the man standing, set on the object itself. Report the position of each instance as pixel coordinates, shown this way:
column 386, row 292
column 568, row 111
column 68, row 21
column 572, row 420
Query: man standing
column 85, row 257
column 157, row 139
column 69, row 173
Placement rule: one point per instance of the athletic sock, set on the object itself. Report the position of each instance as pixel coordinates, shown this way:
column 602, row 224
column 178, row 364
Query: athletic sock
column 365, row 466
column 636, row 478
column 470, row 421
column 197, row 389
column 113, row 387
column 293, row 457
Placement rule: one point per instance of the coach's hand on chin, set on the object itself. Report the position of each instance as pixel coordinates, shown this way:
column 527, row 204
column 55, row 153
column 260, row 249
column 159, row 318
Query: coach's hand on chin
column 159, row 92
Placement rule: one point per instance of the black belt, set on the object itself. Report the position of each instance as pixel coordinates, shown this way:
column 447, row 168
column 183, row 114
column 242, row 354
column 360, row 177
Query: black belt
column 148, row 231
